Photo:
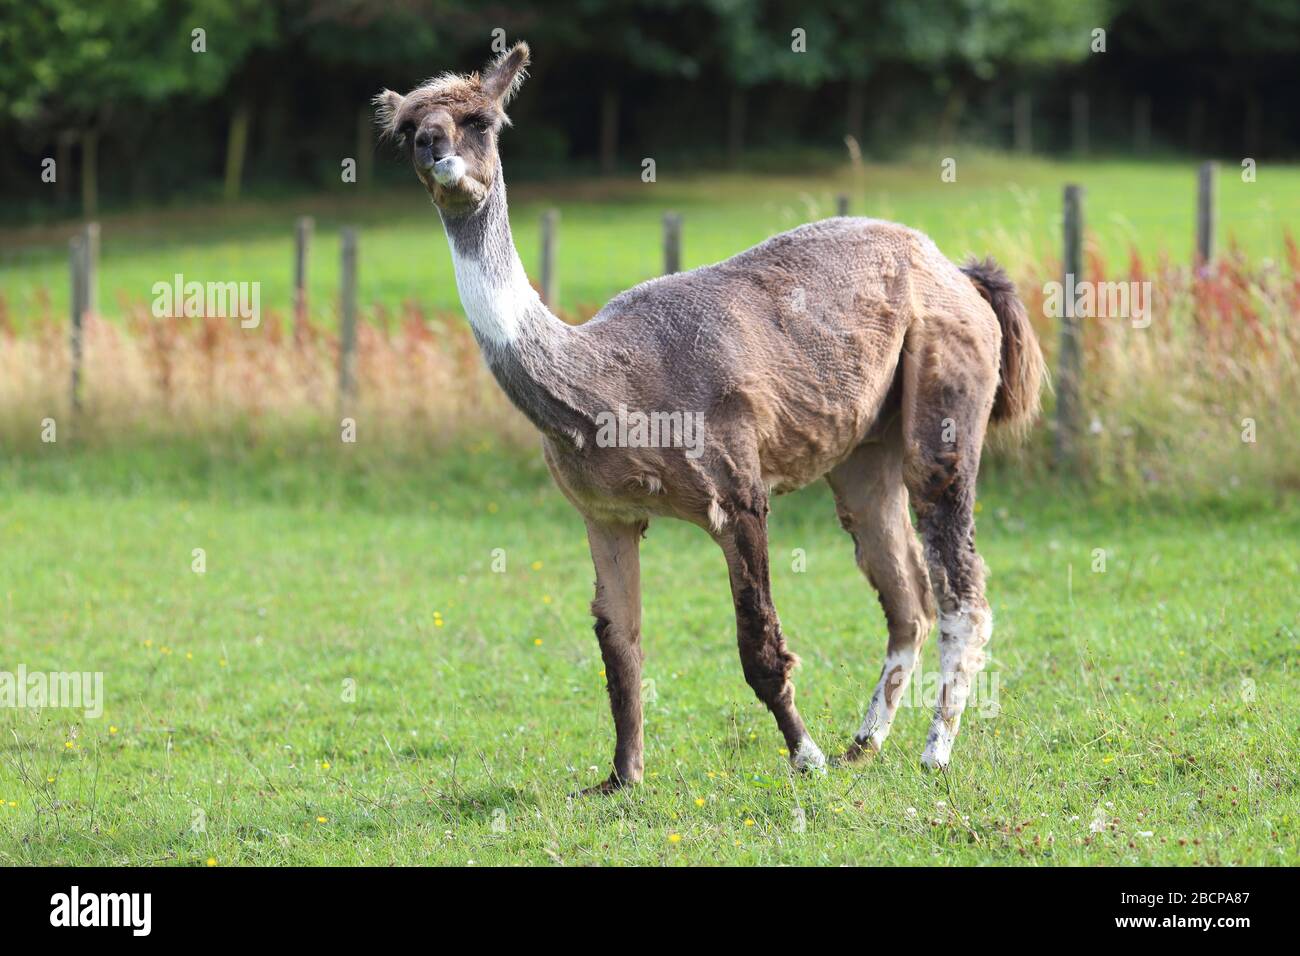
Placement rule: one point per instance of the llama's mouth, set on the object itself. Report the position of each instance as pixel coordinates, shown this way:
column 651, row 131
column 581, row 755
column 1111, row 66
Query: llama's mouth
column 449, row 171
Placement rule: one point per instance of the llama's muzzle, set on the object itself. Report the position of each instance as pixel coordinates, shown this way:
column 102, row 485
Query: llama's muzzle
column 449, row 170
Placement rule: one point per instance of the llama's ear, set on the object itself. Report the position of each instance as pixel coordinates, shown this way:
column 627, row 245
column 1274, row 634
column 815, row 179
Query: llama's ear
column 387, row 103
column 502, row 79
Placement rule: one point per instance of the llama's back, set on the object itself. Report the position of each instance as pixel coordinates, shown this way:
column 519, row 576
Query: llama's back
column 831, row 251
column 804, row 330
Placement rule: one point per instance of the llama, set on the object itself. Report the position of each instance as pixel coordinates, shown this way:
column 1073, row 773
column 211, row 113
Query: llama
column 849, row 349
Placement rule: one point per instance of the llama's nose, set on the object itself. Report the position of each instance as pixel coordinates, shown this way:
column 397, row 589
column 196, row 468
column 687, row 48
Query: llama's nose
column 431, row 145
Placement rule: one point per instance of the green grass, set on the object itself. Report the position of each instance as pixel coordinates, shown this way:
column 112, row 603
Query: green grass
column 1156, row 701
column 610, row 229
column 1160, row 696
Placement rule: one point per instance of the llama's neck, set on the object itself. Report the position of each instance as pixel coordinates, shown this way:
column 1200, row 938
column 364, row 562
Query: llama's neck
column 522, row 341
column 500, row 304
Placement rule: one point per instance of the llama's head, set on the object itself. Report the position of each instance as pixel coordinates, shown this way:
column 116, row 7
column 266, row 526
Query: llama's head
column 449, row 126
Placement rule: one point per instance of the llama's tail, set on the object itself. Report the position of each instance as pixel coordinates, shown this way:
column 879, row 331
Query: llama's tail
column 1020, row 377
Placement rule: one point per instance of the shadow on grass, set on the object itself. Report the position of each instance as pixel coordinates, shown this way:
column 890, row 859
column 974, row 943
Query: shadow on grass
column 484, row 800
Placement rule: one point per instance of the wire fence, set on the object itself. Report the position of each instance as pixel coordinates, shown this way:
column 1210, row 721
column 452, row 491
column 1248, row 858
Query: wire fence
column 577, row 281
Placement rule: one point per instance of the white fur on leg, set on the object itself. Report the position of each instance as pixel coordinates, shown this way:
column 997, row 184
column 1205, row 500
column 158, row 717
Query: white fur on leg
column 809, row 756
column 884, row 701
column 962, row 636
column 938, row 745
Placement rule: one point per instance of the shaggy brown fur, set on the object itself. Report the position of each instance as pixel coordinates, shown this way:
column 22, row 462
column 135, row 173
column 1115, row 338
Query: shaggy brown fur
column 847, row 348
column 1022, row 361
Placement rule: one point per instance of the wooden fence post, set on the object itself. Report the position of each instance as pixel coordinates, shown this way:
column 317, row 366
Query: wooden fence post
column 90, row 173
column 1205, row 215
column 301, row 250
column 77, row 271
column 672, row 243
column 1069, row 372
column 236, row 151
column 90, row 301
column 348, row 319
column 842, row 204
column 550, row 281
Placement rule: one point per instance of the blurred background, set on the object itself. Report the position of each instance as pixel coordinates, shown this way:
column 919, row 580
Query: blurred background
column 283, row 88
column 233, row 141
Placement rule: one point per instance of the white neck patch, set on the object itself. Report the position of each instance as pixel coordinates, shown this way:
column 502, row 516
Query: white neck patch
column 495, row 304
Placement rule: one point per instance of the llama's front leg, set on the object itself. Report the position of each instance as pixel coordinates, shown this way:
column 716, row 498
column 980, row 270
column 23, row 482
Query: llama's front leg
column 766, row 660
column 615, row 551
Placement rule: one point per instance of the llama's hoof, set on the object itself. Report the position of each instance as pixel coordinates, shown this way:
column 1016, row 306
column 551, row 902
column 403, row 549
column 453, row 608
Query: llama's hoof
column 608, row 785
column 859, row 752
column 809, row 757
column 931, row 761
column 938, row 747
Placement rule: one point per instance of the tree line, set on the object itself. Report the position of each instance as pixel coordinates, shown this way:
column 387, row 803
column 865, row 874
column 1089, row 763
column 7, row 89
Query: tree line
column 136, row 99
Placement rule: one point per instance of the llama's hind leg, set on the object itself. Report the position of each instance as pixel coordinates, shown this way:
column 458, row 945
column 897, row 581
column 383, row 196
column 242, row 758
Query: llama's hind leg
column 615, row 551
column 965, row 619
column 871, row 500
column 766, row 660
column 945, row 418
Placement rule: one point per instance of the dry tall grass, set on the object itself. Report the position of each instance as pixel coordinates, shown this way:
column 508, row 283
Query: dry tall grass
column 1171, row 406
column 1167, row 405
column 420, row 379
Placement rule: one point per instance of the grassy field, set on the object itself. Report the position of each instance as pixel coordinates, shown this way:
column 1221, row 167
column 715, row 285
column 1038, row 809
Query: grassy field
column 349, row 680
column 610, row 229
column 1146, row 714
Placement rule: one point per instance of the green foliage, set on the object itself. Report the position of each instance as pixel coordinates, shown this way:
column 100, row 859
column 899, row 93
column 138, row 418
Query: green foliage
column 68, row 60
column 892, row 72
column 934, row 36
column 986, row 34
column 1243, row 28
column 370, row 32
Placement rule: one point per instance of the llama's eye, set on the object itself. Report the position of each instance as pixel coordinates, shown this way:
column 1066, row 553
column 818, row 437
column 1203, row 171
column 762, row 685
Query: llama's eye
column 406, row 129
